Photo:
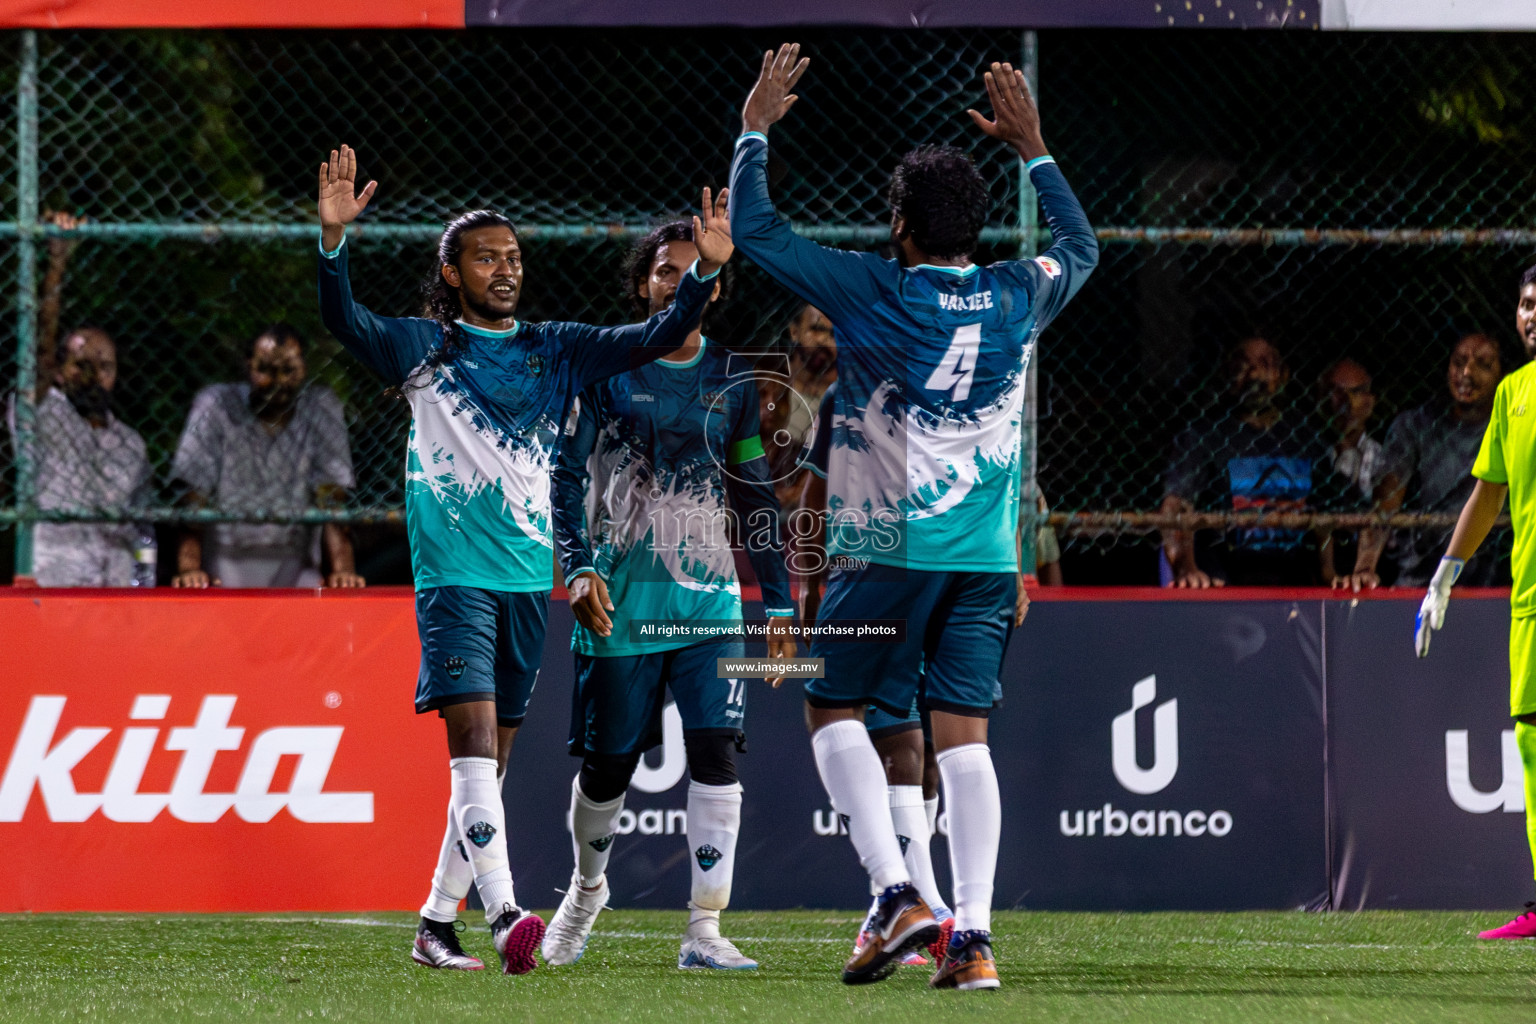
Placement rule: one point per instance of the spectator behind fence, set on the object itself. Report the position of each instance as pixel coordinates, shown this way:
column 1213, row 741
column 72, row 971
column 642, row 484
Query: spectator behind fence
column 1047, row 546
column 1246, row 456
column 812, row 369
column 269, row 445
column 1345, row 402
column 1427, row 467
column 86, row 458
column 788, row 401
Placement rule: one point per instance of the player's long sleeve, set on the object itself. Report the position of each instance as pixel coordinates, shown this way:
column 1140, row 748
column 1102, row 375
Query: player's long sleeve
column 749, row 487
column 601, row 352
column 835, row 281
column 1052, row 278
column 752, row 496
column 389, row 346
column 1073, row 244
column 568, row 493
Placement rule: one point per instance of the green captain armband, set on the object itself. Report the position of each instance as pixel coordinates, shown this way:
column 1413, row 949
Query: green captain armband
column 745, row 450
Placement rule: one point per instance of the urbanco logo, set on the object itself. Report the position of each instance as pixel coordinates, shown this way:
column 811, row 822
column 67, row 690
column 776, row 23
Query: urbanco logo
column 674, row 757
column 1165, row 742
column 1510, row 796
column 1111, row 821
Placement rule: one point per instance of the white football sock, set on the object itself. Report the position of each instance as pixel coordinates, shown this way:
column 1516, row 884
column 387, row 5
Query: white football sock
column 454, row 876
column 931, row 808
column 592, row 828
column 855, row 780
column 476, row 807
column 714, row 821
column 452, row 879
column 975, row 825
column 912, row 825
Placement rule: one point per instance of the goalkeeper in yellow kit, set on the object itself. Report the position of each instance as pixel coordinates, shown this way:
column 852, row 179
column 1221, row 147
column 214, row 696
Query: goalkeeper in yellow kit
column 1506, row 465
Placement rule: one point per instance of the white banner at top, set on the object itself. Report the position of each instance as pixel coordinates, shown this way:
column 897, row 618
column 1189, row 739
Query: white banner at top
column 1430, row 15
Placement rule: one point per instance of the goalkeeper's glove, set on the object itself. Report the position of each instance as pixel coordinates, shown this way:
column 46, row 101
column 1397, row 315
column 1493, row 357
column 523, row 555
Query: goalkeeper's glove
column 1432, row 611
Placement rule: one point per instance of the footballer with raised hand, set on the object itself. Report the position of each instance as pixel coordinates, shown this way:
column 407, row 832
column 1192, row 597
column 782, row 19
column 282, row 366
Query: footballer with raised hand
column 911, row 774
column 924, row 476
column 658, row 463
column 1505, row 467
column 488, row 394
column 904, row 742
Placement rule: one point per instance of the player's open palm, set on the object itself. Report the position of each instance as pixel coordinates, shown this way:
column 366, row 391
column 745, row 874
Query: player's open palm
column 340, row 202
column 772, row 96
column 712, row 229
column 1017, row 118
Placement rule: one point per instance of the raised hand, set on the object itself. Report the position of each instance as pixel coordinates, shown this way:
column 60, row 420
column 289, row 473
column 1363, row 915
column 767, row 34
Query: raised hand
column 712, row 232
column 1018, row 120
column 340, row 203
column 770, row 99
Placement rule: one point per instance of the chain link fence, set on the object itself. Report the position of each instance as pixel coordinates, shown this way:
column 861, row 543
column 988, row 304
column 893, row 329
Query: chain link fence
column 1338, row 195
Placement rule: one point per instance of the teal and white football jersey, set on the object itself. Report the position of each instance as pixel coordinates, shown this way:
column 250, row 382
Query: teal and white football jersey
column 484, row 424
column 923, row 468
column 658, row 463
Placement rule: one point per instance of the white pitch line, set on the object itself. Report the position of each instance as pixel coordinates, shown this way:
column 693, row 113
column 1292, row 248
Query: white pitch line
column 363, row 922
column 368, row 922
column 659, row 936
column 1308, row 945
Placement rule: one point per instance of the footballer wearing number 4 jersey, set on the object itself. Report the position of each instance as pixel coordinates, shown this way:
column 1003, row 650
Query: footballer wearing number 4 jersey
column 922, row 485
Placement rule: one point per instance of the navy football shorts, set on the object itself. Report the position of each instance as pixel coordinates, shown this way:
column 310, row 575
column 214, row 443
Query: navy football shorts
column 617, row 704
column 479, row 645
column 882, row 723
column 958, row 625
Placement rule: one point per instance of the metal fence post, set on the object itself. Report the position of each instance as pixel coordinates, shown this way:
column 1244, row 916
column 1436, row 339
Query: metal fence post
column 26, row 303
column 1029, row 206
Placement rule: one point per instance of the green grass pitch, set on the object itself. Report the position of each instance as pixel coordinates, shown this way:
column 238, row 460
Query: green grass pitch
column 1147, row 968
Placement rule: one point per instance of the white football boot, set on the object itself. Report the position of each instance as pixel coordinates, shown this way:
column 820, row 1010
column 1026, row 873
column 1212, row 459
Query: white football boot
column 711, row 952
column 569, row 929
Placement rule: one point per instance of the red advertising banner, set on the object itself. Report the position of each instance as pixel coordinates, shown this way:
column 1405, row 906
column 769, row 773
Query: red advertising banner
column 231, row 14
column 234, row 752
column 898, row 14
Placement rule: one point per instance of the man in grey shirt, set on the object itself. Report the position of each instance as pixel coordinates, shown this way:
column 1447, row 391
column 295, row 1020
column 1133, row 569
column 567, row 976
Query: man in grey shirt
column 1427, row 467
column 269, row 445
column 86, row 459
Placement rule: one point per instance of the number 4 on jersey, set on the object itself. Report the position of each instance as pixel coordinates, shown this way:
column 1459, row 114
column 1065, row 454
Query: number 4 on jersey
column 955, row 370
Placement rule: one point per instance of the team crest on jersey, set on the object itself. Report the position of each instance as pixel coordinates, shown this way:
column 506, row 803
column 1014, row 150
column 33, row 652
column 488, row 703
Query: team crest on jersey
column 454, row 665
column 707, row 856
column 602, row 844
column 480, row 833
column 712, row 399
column 535, row 364
column 1049, row 265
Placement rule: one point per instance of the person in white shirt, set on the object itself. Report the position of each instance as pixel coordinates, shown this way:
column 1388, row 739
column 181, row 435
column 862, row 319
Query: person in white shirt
column 265, row 445
column 87, row 459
